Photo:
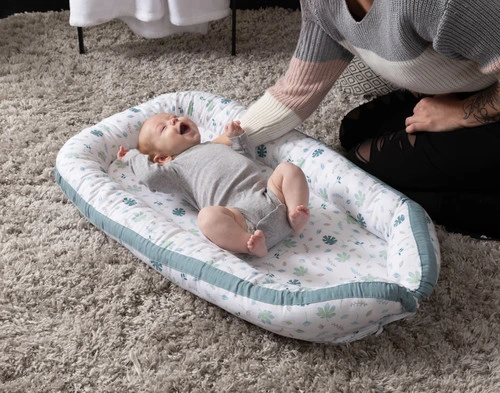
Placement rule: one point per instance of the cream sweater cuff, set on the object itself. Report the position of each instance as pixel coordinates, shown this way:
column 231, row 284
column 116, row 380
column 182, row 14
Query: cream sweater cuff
column 268, row 119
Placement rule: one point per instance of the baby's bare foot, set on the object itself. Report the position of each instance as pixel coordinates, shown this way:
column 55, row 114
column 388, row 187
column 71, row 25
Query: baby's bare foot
column 299, row 218
column 257, row 244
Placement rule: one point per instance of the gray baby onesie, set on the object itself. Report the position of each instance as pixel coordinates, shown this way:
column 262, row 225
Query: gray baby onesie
column 213, row 174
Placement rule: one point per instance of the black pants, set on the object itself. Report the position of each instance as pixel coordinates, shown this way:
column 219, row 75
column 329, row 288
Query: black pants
column 454, row 175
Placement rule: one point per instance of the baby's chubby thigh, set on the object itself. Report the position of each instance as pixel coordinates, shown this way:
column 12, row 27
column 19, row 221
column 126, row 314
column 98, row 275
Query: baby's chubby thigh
column 283, row 172
column 238, row 217
column 213, row 215
column 275, row 182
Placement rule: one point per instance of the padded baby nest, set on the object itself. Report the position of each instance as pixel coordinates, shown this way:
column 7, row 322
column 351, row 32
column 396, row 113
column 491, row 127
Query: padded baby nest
column 367, row 257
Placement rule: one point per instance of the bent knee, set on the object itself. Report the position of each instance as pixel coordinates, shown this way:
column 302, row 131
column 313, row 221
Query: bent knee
column 206, row 215
column 388, row 144
column 218, row 215
column 288, row 169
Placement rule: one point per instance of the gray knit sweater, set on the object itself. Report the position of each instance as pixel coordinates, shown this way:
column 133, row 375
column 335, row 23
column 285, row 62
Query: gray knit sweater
column 427, row 46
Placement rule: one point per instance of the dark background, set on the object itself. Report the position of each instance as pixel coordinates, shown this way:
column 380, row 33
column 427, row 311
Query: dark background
column 9, row 7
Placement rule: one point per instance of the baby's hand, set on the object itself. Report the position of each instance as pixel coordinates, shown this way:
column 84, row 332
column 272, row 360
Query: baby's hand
column 233, row 129
column 121, row 153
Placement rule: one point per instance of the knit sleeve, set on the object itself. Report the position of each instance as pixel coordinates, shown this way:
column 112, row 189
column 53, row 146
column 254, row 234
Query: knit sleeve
column 471, row 29
column 316, row 65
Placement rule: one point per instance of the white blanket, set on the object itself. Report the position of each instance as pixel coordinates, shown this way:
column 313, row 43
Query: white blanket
column 150, row 18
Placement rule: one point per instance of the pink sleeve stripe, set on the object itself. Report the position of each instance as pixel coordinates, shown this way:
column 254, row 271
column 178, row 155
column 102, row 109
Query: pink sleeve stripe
column 305, row 84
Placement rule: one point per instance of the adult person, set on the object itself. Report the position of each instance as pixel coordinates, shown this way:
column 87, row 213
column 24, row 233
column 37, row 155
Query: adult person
column 438, row 138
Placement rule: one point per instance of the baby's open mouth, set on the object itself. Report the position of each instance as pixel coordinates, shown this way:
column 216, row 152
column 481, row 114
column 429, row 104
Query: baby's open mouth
column 184, row 129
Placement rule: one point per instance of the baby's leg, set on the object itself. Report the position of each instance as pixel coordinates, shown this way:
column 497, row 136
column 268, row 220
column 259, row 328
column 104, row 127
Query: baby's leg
column 227, row 228
column 289, row 184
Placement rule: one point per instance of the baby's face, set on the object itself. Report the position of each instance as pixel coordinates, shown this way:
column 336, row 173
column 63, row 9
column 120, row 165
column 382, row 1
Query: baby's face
column 169, row 134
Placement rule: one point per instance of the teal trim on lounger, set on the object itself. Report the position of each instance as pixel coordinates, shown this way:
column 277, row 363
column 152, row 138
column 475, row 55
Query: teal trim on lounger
column 418, row 223
column 238, row 286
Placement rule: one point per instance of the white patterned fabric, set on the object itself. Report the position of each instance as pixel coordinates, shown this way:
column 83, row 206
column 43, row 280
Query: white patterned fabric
column 367, row 257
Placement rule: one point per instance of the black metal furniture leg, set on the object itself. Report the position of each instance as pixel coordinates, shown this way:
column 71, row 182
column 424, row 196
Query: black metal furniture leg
column 233, row 32
column 233, row 28
column 80, row 40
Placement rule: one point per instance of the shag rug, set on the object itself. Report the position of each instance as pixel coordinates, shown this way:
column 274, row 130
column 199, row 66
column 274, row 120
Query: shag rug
column 80, row 313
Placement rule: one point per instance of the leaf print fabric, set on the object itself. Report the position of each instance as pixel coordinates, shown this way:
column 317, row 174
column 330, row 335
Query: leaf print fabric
column 323, row 285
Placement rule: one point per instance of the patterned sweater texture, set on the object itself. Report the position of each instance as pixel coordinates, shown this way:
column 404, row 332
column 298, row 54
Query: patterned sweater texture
column 426, row 46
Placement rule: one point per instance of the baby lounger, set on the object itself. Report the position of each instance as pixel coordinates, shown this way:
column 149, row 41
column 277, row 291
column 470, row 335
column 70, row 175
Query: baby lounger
column 367, row 257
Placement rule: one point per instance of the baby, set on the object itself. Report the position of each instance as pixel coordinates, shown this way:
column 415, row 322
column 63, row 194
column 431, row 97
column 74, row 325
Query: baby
column 240, row 210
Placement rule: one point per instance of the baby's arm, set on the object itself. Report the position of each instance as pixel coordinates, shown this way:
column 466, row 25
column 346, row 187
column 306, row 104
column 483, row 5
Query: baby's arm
column 138, row 162
column 239, row 139
column 231, row 130
column 148, row 173
column 235, row 137
column 121, row 153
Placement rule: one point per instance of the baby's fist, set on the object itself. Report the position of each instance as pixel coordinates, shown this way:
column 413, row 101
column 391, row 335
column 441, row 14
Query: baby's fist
column 121, row 153
column 233, row 129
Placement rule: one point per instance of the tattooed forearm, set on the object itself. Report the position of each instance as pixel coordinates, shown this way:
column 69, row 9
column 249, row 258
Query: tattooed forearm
column 484, row 106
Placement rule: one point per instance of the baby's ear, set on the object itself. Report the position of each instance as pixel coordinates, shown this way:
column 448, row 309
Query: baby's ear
column 160, row 159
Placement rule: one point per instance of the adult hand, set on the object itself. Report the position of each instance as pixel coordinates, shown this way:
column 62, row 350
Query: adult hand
column 436, row 114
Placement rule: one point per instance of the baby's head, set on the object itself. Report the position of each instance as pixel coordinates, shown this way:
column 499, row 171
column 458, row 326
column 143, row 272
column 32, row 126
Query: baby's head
column 164, row 136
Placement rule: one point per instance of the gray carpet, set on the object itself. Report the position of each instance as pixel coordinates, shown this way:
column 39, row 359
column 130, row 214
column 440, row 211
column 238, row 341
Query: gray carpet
column 79, row 313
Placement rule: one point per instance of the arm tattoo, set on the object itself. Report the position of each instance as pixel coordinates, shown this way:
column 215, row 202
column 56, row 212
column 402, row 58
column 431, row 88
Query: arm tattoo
column 484, row 106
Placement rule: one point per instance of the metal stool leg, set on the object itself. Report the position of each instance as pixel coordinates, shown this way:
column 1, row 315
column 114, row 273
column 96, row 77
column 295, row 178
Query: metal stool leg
column 233, row 28
column 80, row 40
column 233, row 32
